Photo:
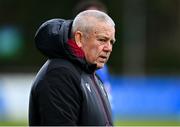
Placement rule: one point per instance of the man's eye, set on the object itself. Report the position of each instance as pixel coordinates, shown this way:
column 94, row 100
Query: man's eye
column 112, row 42
column 102, row 40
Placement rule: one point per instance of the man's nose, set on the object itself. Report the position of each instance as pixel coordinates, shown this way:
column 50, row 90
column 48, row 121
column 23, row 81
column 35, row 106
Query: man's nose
column 108, row 47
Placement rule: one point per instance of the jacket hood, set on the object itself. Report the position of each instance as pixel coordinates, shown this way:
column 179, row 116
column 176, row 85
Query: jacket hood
column 53, row 39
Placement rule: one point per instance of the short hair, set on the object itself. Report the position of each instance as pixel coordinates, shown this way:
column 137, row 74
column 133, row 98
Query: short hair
column 82, row 23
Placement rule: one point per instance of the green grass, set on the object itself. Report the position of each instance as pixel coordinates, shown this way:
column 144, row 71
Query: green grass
column 13, row 123
column 117, row 123
column 147, row 123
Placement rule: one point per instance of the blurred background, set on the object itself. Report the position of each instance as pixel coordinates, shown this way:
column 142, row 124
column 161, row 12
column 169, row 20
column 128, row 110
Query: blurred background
column 144, row 68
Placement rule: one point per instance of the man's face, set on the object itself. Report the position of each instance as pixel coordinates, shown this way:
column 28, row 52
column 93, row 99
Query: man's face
column 97, row 45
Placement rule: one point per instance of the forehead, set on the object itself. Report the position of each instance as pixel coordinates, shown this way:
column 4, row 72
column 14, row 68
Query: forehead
column 104, row 29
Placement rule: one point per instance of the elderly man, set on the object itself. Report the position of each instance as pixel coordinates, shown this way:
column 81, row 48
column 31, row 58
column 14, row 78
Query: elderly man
column 66, row 90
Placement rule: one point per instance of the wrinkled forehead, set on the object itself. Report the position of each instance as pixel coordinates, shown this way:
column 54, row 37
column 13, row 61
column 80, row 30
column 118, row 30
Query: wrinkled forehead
column 103, row 28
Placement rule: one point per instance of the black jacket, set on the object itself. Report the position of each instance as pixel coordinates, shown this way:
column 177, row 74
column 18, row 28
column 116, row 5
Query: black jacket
column 66, row 90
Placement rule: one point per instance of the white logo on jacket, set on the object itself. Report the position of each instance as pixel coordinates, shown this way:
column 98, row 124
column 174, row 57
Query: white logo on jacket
column 88, row 86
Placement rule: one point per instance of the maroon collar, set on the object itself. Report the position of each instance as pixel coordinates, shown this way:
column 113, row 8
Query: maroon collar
column 77, row 51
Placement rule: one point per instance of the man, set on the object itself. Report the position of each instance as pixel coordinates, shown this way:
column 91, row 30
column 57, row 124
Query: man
column 66, row 90
column 103, row 73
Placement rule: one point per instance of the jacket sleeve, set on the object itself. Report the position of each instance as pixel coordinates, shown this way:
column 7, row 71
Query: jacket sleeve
column 59, row 98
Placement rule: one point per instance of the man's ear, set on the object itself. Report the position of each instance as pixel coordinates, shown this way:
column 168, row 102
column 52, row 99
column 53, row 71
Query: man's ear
column 78, row 38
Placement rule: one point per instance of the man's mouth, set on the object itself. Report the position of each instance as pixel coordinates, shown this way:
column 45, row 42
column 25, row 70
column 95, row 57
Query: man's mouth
column 103, row 58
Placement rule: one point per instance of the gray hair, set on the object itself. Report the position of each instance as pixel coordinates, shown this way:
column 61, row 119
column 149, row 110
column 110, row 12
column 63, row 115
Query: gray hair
column 82, row 22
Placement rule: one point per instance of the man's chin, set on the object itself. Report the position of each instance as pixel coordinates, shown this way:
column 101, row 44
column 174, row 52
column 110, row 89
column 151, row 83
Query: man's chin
column 99, row 66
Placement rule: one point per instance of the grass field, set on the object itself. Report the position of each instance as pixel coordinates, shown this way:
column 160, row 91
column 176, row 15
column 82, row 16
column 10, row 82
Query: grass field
column 13, row 123
column 116, row 123
column 147, row 123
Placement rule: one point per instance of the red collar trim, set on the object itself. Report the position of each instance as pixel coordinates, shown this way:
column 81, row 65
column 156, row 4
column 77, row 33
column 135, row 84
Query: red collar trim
column 77, row 51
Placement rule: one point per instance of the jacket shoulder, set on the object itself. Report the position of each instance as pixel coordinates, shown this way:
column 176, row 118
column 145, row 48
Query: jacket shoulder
column 59, row 63
column 57, row 69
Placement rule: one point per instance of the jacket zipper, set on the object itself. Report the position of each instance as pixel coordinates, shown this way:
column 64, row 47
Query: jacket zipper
column 101, row 101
